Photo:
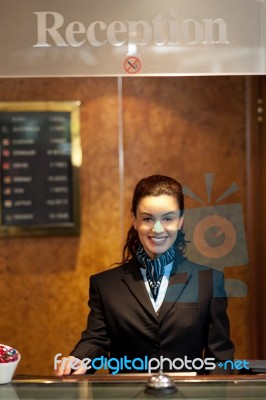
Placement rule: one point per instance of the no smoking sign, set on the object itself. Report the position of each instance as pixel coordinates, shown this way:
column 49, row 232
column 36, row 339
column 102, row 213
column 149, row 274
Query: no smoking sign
column 132, row 65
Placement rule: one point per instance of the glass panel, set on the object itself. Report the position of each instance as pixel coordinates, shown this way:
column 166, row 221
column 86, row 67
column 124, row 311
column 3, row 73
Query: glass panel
column 132, row 390
column 151, row 37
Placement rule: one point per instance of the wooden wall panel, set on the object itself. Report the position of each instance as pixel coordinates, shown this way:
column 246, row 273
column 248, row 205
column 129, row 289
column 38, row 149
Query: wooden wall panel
column 183, row 127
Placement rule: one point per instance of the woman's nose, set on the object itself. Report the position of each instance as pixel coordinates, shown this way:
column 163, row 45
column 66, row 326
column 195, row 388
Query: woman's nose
column 157, row 227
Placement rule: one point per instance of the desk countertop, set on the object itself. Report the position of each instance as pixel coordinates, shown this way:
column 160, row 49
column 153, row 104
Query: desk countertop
column 132, row 386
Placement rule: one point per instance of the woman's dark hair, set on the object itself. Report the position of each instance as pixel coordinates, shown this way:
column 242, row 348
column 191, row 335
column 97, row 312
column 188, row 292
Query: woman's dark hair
column 154, row 185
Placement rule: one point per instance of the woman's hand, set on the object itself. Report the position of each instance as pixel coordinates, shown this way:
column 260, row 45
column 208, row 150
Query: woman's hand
column 70, row 365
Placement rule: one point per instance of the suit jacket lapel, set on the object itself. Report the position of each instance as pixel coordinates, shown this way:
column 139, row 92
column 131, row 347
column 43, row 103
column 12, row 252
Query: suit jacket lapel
column 177, row 284
column 134, row 281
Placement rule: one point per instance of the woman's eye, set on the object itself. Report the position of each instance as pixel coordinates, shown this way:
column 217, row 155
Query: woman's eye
column 147, row 219
column 167, row 219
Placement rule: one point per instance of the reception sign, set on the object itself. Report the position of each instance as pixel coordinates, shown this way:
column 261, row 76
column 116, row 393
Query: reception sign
column 125, row 38
column 40, row 160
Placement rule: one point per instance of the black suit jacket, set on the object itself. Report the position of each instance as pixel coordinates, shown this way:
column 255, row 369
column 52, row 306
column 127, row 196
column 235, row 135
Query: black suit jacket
column 192, row 320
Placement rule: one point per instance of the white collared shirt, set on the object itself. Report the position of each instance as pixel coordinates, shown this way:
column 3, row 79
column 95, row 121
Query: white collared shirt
column 163, row 287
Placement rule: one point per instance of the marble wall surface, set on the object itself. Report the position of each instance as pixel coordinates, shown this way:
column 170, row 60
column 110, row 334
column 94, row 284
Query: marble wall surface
column 130, row 128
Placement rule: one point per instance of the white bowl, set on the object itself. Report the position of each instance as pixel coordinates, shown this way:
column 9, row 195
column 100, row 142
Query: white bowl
column 8, row 369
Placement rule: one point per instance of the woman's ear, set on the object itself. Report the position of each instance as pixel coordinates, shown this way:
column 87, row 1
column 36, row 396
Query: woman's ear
column 134, row 221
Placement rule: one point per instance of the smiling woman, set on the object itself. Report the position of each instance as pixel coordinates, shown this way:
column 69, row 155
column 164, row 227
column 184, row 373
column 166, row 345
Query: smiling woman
column 157, row 221
column 156, row 305
column 157, row 216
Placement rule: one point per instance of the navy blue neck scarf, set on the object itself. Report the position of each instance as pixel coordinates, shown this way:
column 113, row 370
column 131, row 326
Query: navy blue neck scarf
column 155, row 268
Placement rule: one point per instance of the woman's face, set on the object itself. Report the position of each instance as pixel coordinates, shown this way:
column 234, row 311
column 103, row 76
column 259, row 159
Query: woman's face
column 157, row 222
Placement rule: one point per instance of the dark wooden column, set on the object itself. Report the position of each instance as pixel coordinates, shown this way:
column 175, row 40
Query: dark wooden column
column 256, row 198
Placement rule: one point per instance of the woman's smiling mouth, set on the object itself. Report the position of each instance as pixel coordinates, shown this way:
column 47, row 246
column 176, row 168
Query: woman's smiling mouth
column 158, row 240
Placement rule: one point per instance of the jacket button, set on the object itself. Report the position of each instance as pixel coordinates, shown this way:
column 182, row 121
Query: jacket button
column 156, row 347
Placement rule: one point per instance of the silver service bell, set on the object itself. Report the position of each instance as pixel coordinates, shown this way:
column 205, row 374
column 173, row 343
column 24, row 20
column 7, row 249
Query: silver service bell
column 160, row 384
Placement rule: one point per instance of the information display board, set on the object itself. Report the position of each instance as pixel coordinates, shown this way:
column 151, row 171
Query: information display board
column 40, row 160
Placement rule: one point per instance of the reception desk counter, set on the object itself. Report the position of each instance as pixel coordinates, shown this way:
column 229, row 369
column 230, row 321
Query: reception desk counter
column 131, row 386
